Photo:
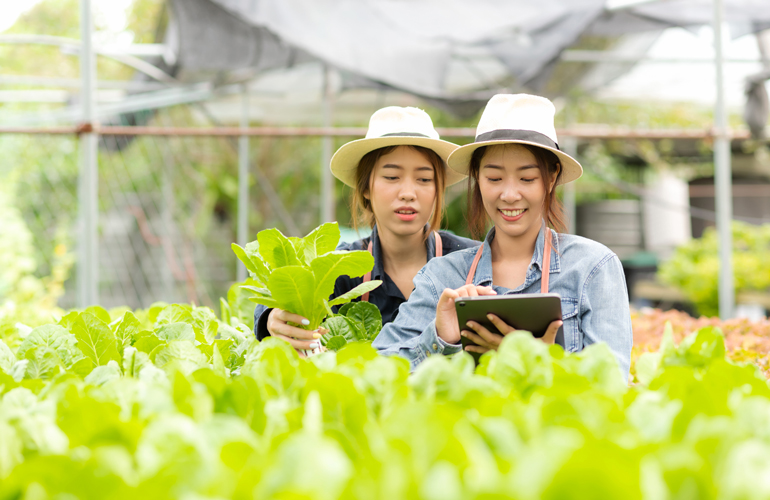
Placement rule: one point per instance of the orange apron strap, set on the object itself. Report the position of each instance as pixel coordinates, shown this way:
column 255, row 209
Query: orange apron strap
column 439, row 246
column 476, row 260
column 545, row 271
column 368, row 276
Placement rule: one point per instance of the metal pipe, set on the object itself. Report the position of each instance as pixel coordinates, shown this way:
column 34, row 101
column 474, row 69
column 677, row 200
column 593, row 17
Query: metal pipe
column 577, row 132
column 88, row 192
column 722, row 177
column 327, row 181
column 243, row 181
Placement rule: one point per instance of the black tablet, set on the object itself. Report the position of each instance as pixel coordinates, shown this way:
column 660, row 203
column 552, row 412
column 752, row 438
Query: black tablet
column 532, row 312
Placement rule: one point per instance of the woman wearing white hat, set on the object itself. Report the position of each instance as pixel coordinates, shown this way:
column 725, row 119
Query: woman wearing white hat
column 514, row 166
column 398, row 173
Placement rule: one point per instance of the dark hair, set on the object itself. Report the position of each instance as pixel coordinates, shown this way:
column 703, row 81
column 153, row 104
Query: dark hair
column 361, row 208
column 550, row 170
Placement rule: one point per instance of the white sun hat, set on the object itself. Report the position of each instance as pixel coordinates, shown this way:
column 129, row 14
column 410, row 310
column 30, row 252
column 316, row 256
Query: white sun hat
column 517, row 119
column 393, row 126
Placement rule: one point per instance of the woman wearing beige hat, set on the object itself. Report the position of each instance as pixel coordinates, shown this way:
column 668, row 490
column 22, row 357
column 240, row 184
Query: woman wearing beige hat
column 398, row 173
column 514, row 166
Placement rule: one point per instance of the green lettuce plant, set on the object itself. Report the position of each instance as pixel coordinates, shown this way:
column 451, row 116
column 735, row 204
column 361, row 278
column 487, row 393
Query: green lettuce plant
column 298, row 274
column 694, row 267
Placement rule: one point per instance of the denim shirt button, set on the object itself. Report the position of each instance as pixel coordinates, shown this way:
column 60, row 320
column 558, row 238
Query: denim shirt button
column 427, row 353
column 435, row 347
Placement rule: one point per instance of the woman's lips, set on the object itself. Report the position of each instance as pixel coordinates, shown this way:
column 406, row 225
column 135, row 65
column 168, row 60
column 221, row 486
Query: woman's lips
column 406, row 214
column 512, row 215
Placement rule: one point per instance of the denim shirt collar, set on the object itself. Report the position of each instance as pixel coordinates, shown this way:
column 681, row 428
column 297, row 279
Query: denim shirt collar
column 379, row 271
column 534, row 270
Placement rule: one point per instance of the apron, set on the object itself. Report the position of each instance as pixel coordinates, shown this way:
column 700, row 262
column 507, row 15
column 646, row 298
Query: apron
column 368, row 277
column 545, row 270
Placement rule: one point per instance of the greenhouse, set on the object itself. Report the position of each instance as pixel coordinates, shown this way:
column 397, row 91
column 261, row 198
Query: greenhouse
column 204, row 293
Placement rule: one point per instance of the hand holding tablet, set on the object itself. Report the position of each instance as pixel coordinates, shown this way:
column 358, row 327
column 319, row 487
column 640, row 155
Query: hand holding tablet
column 484, row 320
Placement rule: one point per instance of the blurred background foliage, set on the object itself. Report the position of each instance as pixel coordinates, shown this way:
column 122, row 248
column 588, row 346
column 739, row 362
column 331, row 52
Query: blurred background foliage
column 193, row 181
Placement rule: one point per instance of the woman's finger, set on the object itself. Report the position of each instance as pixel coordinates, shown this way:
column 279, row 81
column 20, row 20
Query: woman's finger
column 286, row 317
column 476, row 348
column 550, row 333
column 476, row 339
column 503, row 327
column 491, row 340
column 300, row 345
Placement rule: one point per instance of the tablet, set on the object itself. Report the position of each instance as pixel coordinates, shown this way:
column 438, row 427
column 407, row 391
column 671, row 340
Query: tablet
column 532, row 312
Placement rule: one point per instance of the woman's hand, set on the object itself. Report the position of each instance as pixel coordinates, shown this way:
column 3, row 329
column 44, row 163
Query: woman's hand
column 302, row 340
column 446, row 315
column 487, row 340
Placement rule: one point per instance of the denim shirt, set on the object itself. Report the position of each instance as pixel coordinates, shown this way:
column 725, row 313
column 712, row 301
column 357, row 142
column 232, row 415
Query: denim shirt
column 387, row 297
column 587, row 275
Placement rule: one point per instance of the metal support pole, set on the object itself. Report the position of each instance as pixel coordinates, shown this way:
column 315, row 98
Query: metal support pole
column 88, row 192
column 569, row 146
column 327, row 181
column 243, row 180
column 723, row 178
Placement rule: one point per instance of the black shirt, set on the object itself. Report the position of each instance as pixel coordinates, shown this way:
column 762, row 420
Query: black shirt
column 387, row 297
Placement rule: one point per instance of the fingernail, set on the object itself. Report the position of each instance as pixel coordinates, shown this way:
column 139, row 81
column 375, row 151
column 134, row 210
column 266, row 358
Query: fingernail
column 462, row 333
column 314, row 345
column 489, row 317
column 469, row 324
column 316, row 335
column 323, row 331
column 305, row 322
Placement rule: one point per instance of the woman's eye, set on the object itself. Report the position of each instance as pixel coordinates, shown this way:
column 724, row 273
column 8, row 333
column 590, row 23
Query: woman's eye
column 494, row 179
column 390, row 178
column 529, row 180
column 426, row 181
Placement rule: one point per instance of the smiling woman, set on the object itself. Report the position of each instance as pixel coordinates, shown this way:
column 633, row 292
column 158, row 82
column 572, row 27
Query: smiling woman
column 515, row 165
column 398, row 173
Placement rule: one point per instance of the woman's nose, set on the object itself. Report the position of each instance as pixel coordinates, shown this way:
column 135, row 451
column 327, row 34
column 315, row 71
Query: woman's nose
column 510, row 193
column 407, row 191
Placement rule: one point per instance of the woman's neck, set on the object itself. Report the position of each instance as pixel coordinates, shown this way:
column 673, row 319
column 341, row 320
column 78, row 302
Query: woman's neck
column 507, row 248
column 399, row 250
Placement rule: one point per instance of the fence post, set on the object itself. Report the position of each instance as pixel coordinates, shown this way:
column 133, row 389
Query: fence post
column 723, row 177
column 88, row 182
column 243, row 180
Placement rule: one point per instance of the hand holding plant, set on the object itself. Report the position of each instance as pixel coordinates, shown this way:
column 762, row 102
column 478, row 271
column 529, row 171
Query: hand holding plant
column 297, row 275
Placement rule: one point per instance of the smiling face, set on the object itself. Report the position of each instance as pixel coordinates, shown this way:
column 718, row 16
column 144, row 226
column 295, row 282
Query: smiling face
column 402, row 191
column 513, row 189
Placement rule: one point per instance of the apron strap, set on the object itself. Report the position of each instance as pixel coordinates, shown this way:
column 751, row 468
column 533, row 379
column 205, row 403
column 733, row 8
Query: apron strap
column 476, row 260
column 368, row 276
column 545, row 271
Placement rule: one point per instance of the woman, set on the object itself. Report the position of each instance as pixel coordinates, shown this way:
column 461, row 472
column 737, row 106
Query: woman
column 514, row 167
column 398, row 173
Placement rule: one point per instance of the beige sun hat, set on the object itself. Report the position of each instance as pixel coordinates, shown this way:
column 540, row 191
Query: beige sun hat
column 393, row 126
column 517, row 119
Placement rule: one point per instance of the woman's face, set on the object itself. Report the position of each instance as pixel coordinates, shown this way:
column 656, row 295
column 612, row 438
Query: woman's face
column 402, row 191
column 512, row 189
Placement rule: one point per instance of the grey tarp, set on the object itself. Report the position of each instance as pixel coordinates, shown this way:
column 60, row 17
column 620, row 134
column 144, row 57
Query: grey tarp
column 454, row 53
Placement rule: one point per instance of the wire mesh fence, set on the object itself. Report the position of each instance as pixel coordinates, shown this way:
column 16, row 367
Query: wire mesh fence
column 167, row 206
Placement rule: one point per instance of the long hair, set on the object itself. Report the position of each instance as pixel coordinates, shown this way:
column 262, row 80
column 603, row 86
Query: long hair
column 361, row 208
column 550, row 170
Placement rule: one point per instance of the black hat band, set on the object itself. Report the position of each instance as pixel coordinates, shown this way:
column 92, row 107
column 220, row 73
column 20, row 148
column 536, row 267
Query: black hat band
column 517, row 135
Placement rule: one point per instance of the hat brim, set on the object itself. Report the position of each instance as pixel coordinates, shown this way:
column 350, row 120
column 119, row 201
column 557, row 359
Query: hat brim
column 345, row 161
column 459, row 161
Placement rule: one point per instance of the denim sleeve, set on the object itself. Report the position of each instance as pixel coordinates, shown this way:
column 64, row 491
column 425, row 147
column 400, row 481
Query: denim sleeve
column 260, row 321
column 413, row 334
column 605, row 315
